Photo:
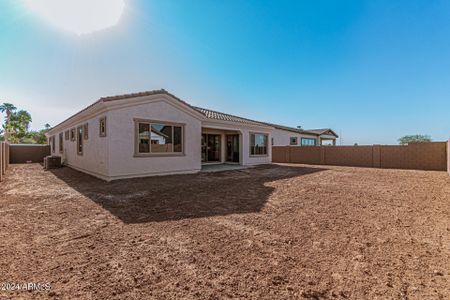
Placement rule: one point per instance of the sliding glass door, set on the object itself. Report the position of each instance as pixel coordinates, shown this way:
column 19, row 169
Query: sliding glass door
column 210, row 147
column 233, row 148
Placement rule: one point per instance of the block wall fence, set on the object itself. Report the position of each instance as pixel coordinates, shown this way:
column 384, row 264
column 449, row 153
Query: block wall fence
column 418, row 156
column 4, row 159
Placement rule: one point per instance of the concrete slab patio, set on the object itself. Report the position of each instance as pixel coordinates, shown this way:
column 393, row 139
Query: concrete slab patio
column 222, row 167
column 270, row 232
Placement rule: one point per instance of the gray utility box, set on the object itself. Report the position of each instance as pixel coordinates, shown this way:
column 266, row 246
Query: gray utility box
column 52, row 162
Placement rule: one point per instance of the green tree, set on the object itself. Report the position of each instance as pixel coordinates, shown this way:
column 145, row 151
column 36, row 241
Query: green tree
column 38, row 137
column 20, row 123
column 417, row 138
column 7, row 108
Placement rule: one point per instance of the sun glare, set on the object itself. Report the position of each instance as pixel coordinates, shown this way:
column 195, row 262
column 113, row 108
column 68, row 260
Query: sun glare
column 78, row 16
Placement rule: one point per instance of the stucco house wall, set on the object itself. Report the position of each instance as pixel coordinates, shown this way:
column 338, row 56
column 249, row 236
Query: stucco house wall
column 94, row 159
column 121, row 132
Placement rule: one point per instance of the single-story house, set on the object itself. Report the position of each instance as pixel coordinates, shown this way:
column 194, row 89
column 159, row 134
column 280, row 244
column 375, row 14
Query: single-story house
column 284, row 135
column 156, row 133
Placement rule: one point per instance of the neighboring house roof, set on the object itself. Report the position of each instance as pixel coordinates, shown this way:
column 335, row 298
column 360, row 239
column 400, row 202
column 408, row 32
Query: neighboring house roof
column 215, row 115
column 292, row 129
column 321, row 131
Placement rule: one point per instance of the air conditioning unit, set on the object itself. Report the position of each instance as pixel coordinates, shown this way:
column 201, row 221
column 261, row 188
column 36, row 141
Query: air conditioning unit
column 52, row 162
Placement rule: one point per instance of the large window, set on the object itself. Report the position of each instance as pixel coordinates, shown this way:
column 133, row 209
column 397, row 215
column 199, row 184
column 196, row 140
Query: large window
column 157, row 138
column 258, row 144
column 61, row 141
column 308, row 142
column 80, row 140
column 293, row 141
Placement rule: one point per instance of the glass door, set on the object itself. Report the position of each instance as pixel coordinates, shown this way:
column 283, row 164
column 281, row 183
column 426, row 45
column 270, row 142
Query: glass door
column 233, row 148
column 210, row 147
column 213, row 147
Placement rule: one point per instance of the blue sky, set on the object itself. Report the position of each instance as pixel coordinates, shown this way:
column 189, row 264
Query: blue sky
column 373, row 70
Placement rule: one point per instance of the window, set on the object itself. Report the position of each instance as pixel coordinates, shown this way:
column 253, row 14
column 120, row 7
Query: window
column 293, row 140
column 61, row 141
column 258, row 144
column 72, row 134
column 102, row 127
column 66, row 135
column 80, row 140
column 85, row 131
column 155, row 138
column 308, row 142
column 52, row 143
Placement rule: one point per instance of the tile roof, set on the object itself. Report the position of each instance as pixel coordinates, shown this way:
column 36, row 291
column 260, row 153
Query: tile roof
column 216, row 115
column 208, row 113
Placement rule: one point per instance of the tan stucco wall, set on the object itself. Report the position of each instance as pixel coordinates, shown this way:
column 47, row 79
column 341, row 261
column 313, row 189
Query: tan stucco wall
column 95, row 149
column 123, row 163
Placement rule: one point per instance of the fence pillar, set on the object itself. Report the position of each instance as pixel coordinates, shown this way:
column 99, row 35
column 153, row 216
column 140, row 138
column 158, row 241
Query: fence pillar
column 322, row 155
column 376, row 156
column 448, row 157
column 288, row 154
column 7, row 156
column 1, row 161
column 3, row 158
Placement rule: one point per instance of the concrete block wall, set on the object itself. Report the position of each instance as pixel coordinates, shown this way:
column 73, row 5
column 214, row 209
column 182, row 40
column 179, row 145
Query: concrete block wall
column 4, row 159
column 418, row 156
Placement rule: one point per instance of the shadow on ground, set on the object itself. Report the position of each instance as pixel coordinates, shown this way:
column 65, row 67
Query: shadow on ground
column 155, row 199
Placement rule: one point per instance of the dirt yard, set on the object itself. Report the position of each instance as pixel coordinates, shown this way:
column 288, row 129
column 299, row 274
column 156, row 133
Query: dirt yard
column 272, row 232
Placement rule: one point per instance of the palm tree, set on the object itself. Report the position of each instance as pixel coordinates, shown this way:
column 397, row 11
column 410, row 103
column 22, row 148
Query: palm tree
column 24, row 118
column 47, row 126
column 7, row 108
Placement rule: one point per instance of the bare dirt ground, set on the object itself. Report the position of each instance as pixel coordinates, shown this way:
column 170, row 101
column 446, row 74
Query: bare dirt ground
column 272, row 232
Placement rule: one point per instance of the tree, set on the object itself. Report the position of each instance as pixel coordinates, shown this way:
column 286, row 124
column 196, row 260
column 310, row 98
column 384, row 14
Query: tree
column 24, row 119
column 38, row 137
column 418, row 138
column 7, row 108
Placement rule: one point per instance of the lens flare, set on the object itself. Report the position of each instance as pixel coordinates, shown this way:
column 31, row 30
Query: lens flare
column 78, row 16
